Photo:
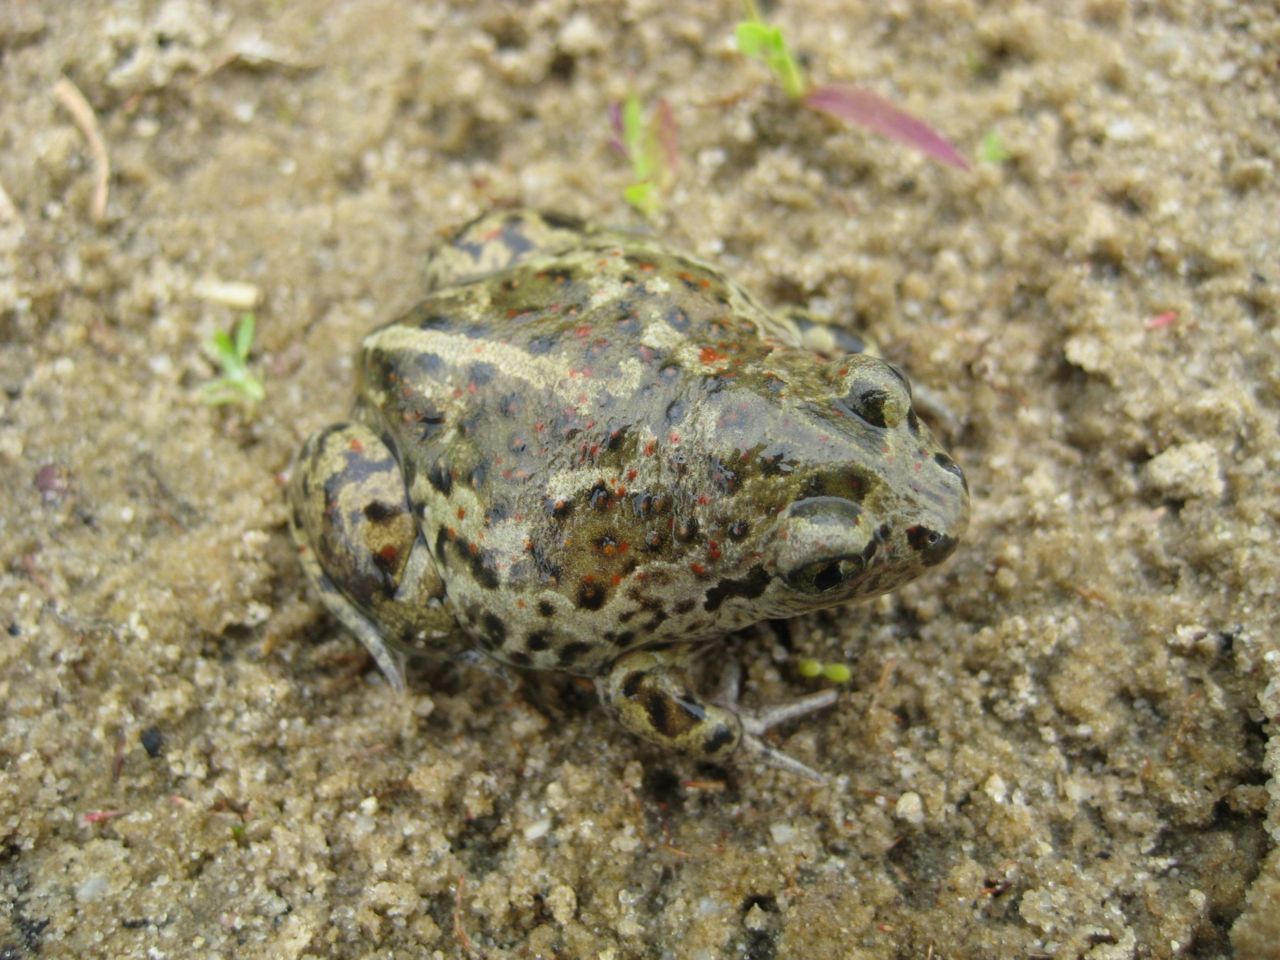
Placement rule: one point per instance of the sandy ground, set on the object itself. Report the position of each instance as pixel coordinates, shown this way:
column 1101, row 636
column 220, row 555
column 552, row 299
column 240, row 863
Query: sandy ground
column 1061, row 744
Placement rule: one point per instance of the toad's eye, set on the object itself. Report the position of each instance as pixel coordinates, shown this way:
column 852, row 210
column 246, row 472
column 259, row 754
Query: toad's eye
column 875, row 392
column 825, row 575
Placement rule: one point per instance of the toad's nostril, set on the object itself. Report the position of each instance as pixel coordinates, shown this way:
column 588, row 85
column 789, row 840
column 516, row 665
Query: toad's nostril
column 932, row 545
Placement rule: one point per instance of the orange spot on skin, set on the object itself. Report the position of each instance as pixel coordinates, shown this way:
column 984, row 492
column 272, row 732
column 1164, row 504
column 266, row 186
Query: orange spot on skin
column 1161, row 321
column 649, row 447
column 462, row 513
column 709, row 355
column 713, row 550
column 388, row 554
column 631, row 474
column 355, row 446
column 698, row 569
column 616, row 579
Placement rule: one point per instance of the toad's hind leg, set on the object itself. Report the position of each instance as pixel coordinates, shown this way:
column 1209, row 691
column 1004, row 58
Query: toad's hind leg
column 359, row 546
column 648, row 692
column 500, row 240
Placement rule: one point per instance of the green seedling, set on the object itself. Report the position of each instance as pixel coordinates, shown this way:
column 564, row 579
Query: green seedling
column 833, row 672
column 757, row 39
column 991, row 149
column 851, row 104
column 237, row 383
column 650, row 146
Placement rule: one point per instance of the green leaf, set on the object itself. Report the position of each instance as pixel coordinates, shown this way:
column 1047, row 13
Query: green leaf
column 244, row 335
column 753, row 38
column 991, row 149
column 641, row 196
column 758, row 39
column 636, row 138
column 222, row 347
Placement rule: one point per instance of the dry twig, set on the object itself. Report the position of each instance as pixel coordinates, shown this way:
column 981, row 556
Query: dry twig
column 73, row 100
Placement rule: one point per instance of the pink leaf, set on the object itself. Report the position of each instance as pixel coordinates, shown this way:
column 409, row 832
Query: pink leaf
column 615, row 123
column 668, row 133
column 875, row 113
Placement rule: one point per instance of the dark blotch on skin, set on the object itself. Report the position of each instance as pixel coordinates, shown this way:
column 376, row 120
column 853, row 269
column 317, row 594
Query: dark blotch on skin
column 591, row 594
column 435, row 321
column 440, row 477
column 720, row 739
column 749, row 587
column 481, row 562
column 482, row 373
column 495, row 628
column 541, row 346
column 430, row 422
column 558, row 509
column 546, row 608
column 656, row 706
column 631, row 685
column 738, row 530
column 572, row 652
column 538, row 641
column 379, row 511
column 563, row 221
column 598, row 496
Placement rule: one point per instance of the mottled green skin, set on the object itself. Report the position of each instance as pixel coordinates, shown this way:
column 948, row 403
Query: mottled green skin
column 583, row 445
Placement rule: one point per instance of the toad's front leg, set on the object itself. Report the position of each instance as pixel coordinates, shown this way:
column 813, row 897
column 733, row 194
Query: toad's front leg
column 648, row 692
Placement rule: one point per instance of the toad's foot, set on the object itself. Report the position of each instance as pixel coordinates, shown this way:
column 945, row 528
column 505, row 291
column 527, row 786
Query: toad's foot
column 756, row 722
column 648, row 693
